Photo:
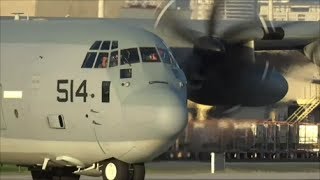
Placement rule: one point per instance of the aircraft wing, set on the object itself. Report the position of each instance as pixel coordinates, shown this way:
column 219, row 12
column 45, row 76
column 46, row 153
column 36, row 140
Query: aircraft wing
column 271, row 36
column 284, row 44
column 293, row 35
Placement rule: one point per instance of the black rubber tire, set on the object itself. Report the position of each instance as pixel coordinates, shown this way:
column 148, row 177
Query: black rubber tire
column 122, row 169
column 138, row 171
column 55, row 174
column 65, row 173
column 67, row 177
column 41, row 175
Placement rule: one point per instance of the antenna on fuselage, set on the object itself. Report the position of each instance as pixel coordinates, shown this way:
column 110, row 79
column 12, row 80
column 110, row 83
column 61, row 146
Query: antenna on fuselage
column 17, row 15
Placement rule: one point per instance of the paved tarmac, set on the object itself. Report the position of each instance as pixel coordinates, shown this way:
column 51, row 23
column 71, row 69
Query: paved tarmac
column 199, row 171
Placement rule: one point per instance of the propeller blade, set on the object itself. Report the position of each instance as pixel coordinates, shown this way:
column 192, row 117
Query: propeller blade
column 253, row 30
column 244, row 31
column 312, row 52
column 225, row 111
column 173, row 21
column 265, row 72
column 213, row 17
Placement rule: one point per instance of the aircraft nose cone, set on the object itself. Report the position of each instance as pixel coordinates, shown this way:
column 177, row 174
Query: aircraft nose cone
column 170, row 118
column 159, row 110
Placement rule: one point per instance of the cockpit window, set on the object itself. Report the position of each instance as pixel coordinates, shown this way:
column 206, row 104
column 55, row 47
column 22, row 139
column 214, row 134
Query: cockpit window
column 95, row 45
column 165, row 55
column 114, row 45
column 105, row 45
column 129, row 56
column 149, row 54
column 114, row 57
column 89, row 60
column 102, row 60
column 174, row 62
column 101, row 53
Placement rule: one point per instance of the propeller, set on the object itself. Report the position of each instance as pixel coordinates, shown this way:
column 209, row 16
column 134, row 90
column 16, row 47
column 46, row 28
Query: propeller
column 223, row 61
column 208, row 45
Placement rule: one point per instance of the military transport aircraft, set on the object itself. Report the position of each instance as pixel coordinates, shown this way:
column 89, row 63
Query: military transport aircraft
column 97, row 97
column 87, row 98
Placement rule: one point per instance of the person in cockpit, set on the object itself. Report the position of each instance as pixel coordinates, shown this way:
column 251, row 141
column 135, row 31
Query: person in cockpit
column 104, row 62
column 153, row 57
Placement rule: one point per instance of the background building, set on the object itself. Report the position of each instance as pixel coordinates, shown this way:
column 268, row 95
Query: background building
column 290, row 10
column 277, row 10
column 229, row 9
column 60, row 8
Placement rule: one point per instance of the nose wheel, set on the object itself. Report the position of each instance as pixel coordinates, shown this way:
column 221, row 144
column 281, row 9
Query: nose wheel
column 114, row 169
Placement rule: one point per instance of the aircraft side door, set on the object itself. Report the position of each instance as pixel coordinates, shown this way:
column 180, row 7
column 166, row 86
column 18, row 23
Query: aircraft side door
column 2, row 122
column 99, row 109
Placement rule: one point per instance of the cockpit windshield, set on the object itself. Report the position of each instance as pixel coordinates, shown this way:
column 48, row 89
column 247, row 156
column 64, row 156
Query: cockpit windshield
column 114, row 59
column 102, row 60
column 108, row 54
column 165, row 54
column 129, row 56
column 149, row 54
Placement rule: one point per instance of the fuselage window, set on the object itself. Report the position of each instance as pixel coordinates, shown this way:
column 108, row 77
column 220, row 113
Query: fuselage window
column 114, row 45
column 149, row 54
column 129, row 56
column 95, row 45
column 89, row 60
column 105, row 91
column 102, row 60
column 114, row 57
column 105, row 45
column 125, row 73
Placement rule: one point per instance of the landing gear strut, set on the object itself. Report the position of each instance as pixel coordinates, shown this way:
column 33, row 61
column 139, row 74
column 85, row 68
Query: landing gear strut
column 138, row 171
column 114, row 169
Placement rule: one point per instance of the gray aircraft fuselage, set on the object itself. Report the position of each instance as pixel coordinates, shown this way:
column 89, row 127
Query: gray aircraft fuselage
column 55, row 107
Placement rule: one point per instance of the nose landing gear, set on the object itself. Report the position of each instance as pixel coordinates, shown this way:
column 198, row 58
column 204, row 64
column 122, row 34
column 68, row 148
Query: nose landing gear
column 114, row 169
column 138, row 171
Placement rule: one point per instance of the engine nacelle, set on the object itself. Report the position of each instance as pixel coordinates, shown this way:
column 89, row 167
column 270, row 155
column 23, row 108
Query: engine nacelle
column 312, row 51
column 248, row 86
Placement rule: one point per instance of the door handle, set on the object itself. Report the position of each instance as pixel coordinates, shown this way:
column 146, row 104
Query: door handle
column 94, row 122
column 94, row 111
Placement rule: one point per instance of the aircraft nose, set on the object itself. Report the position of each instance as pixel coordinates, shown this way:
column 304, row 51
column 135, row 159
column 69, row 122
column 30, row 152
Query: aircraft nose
column 159, row 110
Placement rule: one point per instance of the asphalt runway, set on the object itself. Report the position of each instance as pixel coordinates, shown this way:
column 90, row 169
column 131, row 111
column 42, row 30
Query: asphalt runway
column 199, row 171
